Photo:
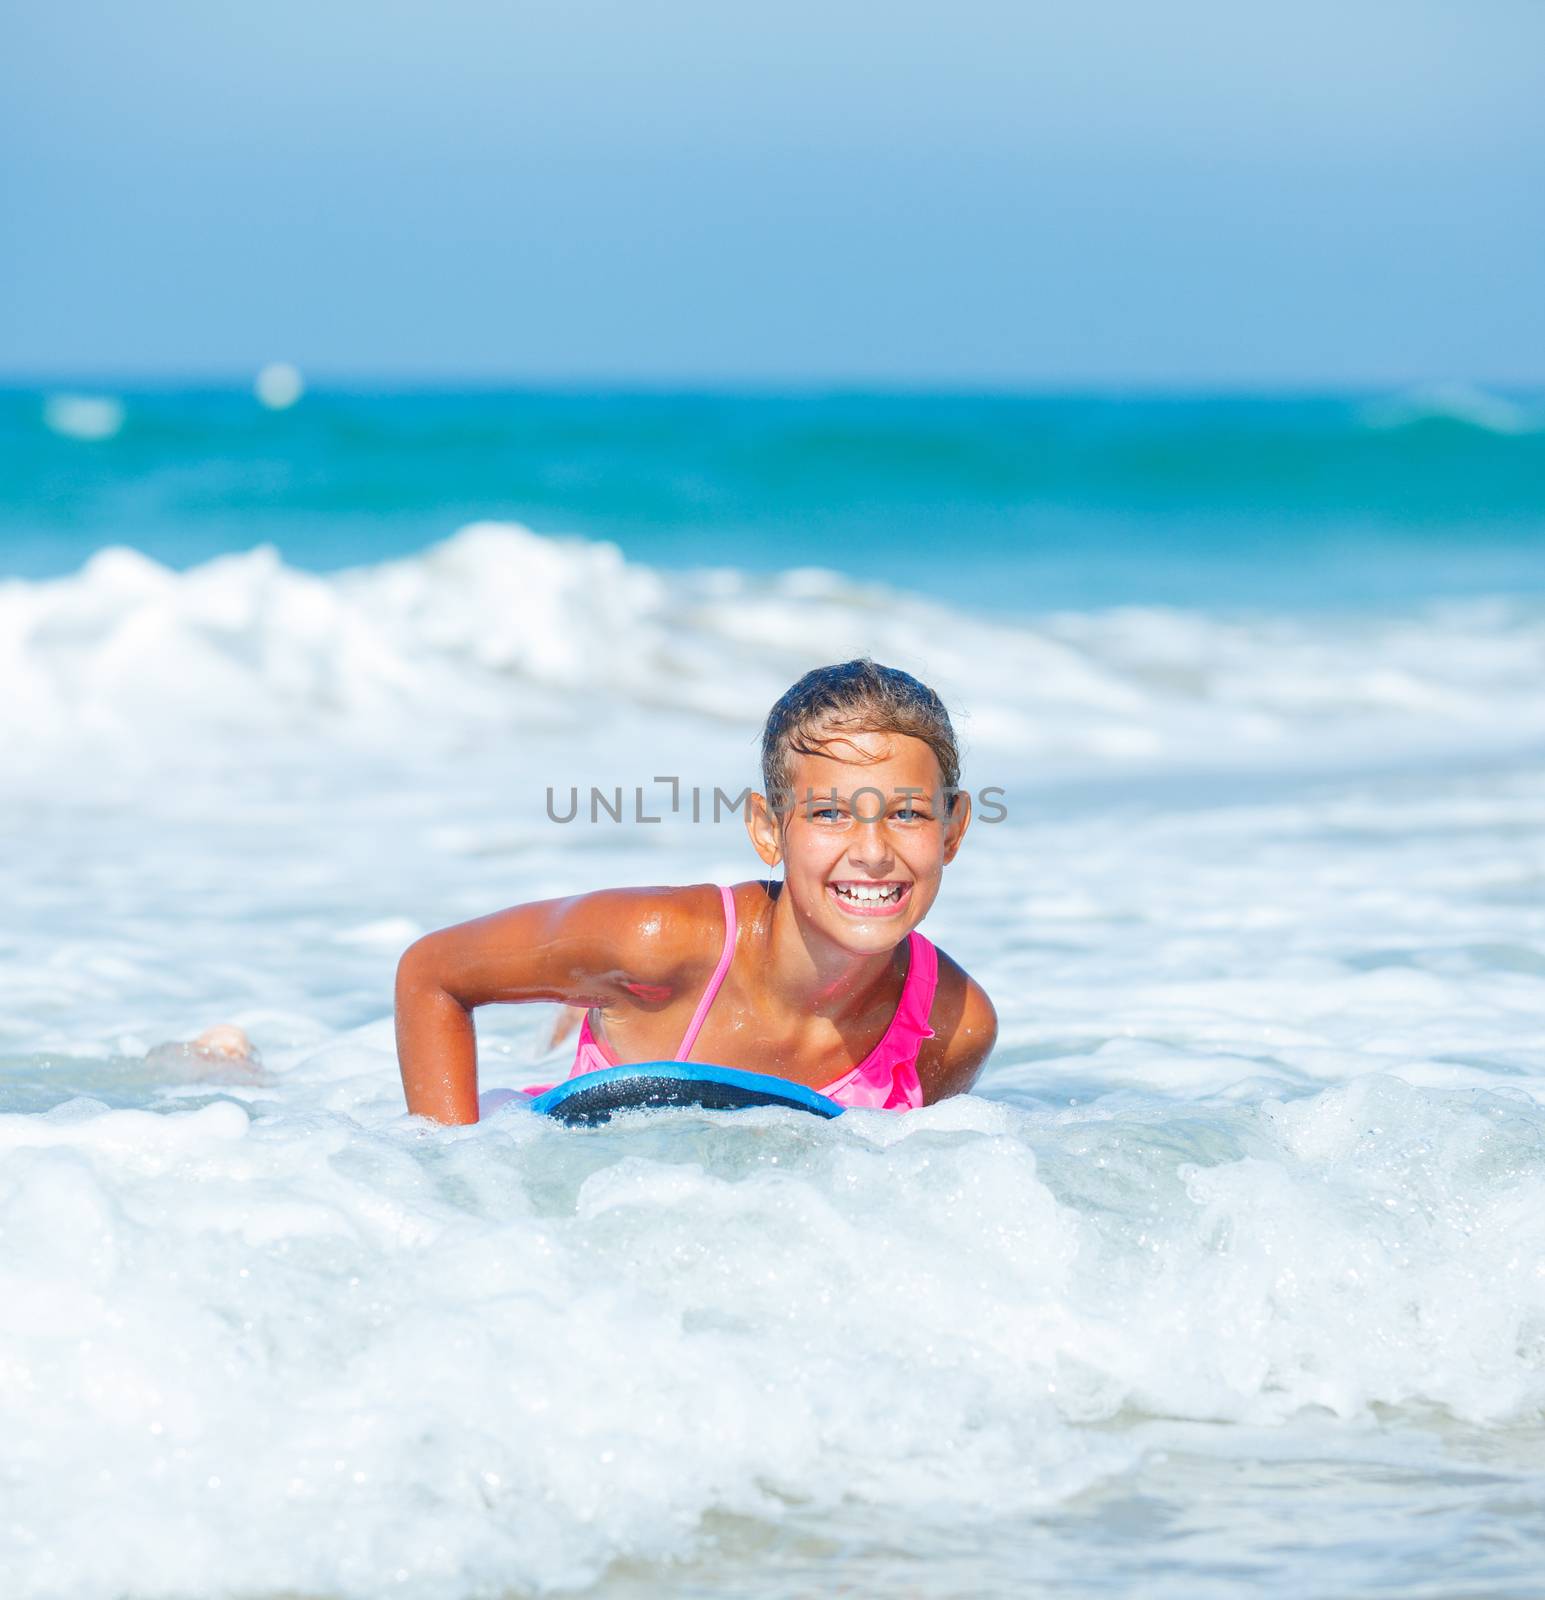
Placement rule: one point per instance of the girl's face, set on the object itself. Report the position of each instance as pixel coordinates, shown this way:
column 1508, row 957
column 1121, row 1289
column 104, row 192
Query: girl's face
column 865, row 839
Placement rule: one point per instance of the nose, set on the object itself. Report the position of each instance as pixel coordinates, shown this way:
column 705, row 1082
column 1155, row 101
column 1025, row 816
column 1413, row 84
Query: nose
column 870, row 851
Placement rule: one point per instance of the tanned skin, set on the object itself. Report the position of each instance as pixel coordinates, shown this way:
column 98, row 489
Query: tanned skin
column 812, row 986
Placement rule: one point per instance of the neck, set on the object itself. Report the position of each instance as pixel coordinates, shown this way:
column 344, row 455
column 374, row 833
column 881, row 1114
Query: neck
column 813, row 973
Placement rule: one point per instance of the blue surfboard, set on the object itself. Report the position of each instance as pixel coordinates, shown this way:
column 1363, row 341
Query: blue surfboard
column 595, row 1097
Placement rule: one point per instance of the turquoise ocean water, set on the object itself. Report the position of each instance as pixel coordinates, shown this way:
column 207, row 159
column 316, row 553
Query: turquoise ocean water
column 1023, row 502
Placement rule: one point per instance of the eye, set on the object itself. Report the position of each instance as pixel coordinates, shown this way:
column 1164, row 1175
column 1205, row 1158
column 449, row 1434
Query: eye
column 826, row 814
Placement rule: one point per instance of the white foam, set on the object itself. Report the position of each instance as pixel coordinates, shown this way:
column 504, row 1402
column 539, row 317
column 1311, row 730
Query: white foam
column 88, row 417
column 499, row 628
column 279, row 385
column 1453, row 402
column 1262, row 1142
column 416, row 1340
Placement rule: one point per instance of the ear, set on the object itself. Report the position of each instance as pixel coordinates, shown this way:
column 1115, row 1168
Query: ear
column 955, row 829
column 766, row 830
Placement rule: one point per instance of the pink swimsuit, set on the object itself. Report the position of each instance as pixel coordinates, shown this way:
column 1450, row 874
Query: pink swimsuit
column 886, row 1078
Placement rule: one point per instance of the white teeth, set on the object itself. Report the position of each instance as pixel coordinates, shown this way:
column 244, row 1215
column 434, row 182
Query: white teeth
column 867, row 895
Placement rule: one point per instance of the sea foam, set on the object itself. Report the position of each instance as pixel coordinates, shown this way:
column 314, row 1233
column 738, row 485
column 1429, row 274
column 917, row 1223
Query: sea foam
column 502, row 629
column 1250, row 1193
column 500, row 1360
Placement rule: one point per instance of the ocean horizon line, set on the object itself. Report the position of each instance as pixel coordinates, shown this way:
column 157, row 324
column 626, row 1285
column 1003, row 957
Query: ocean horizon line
column 227, row 380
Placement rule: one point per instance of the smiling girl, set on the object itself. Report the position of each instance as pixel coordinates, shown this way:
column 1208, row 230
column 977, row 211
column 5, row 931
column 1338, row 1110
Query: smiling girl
column 821, row 978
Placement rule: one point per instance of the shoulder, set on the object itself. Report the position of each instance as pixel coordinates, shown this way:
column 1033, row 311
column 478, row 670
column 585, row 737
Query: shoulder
column 604, row 947
column 656, row 931
column 965, row 1027
column 608, row 947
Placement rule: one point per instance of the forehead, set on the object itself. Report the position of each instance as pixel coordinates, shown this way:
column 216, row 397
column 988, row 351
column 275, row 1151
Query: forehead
column 851, row 759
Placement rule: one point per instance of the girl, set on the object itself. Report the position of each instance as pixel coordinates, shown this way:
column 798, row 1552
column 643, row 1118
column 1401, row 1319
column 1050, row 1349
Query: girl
column 821, row 978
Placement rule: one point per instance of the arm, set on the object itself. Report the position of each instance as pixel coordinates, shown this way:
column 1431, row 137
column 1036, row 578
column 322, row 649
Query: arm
column 967, row 1030
column 581, row 951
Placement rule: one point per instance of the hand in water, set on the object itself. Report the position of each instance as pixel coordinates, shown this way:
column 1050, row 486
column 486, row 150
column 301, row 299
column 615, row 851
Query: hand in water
column 224, row 1051
column 227, row 1041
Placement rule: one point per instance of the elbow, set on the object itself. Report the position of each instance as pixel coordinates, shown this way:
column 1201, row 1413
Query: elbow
column 427, row 976
column 418, row 970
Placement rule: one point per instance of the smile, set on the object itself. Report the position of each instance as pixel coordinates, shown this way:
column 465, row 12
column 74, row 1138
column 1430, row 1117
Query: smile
column 859, row 899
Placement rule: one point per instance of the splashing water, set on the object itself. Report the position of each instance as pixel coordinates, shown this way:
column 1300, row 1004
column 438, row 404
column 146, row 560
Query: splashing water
column 1239, row 1245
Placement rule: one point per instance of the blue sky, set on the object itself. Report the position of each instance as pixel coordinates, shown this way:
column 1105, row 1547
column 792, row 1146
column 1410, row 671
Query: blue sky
column 1190, row 194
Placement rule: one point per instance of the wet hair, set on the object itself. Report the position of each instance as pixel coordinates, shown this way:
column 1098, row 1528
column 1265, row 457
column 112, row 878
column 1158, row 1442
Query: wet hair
column 854, row 697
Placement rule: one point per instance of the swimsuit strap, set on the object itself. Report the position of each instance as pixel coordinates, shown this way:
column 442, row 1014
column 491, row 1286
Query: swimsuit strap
column 684, row 1049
